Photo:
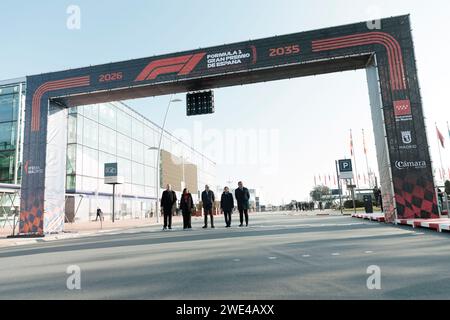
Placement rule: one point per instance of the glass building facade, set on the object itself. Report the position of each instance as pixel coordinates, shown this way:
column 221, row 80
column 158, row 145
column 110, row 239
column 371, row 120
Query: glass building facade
column 12, row 99
column 114, row 133
column 99, row 134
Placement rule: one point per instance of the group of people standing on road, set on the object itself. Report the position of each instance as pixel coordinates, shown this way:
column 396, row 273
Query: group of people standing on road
column 187, row 207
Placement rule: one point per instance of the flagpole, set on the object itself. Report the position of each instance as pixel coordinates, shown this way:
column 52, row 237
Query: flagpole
column 354, row 161
column 365, row 153
column 440, row 153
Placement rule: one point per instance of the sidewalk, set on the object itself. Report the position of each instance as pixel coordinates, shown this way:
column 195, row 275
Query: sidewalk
column 83, row 229
column 92, row 228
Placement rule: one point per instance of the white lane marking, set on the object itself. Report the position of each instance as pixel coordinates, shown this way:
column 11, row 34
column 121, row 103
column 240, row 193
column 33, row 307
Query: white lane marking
column 369, row 252
column 237, row 260
column 272, row 258
column 306, row 256
column 336, row 254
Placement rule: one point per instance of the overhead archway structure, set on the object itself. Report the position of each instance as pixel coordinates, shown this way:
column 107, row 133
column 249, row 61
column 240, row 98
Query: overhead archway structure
column 384, row 49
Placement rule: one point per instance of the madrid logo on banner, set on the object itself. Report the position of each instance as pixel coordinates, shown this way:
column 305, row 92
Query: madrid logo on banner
column 406, row 137
column 402, row 110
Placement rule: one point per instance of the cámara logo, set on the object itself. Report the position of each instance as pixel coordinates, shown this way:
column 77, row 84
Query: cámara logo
column 401, row 165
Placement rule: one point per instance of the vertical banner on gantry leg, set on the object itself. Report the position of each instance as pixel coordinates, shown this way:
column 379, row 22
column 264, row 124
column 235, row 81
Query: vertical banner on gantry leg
column 55, row 176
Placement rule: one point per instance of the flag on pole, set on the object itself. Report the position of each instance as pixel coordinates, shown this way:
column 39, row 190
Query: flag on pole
column 315, row 181
column 440, row 137
column 448, row 129
column 364, row 143
column 351, row 143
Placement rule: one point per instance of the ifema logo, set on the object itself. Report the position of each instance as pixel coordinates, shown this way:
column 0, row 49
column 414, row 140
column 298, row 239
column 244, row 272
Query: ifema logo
column 402, row 165
column 32, row 169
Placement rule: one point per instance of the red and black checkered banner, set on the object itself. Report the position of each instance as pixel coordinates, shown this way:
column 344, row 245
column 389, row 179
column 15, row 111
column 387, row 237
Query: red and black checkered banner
column 387, row 45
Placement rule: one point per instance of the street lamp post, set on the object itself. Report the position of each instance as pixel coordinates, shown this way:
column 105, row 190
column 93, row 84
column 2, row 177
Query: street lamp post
column 158, row 155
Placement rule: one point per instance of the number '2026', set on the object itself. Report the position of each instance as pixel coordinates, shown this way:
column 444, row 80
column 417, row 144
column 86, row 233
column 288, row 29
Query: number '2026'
column 115, row 76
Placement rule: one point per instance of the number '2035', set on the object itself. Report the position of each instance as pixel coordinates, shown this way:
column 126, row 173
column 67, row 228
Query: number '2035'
column 284, row 51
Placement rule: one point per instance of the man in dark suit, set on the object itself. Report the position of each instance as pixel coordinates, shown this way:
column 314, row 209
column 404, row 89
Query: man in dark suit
column 243, row 201
column 227, row 206
column 168, row 201
column 208, row 202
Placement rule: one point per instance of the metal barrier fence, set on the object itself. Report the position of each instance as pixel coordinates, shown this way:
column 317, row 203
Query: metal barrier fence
column 9, row 206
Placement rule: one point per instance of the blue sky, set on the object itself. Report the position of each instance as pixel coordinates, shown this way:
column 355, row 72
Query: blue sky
column 311, row 124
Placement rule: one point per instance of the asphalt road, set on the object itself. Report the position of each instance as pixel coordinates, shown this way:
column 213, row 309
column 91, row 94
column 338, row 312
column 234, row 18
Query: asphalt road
column 278, row 257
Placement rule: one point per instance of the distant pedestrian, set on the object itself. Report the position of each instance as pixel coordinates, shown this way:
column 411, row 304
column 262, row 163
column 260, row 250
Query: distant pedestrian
column 381, row 200
column 168, row 204
column 208, row 203
column 376, row 195
column 243, row 200
column 440, row 197
column 186, row 207
column 227, row 206
column 99, row 215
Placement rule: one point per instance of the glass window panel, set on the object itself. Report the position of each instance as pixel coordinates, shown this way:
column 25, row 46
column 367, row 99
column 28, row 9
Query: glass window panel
column 150, row 176
column 89, row 184
column 150, row 192
column 80, row 121
column 107, row 115
column 75, row 110
column 138, row 130
column 78, row 183
column 150, row 157
column 127, row 189
column 138, row 190
column 90, row 111
column 79, row 160
column 124, row 169
column 72, row 129
column 9, row 107
column 71, row 159
column 7, row 162
column 9, row 90
column 104, row 188
column 138, row 152
column 123, row 123
column 71, row 183
column 90, row 133
column 138, row 174
column 107, row 140
column 90, row 162
column 8, row 131
column 150, row 137
column 123, row 146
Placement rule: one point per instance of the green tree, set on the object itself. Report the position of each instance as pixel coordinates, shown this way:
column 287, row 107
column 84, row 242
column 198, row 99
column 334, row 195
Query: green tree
column 319, row 192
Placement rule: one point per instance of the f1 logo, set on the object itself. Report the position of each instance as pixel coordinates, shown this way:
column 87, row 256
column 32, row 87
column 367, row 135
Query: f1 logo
column 183, row 65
